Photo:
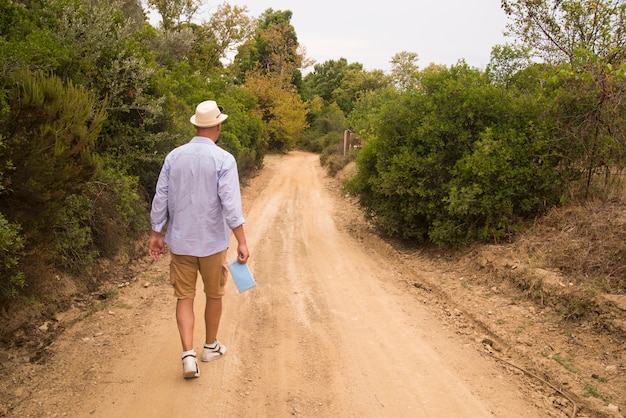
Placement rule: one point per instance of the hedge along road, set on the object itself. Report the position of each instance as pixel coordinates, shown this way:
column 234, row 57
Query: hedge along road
column 329, row 331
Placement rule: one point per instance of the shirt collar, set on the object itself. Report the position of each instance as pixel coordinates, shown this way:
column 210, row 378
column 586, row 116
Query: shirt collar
column 202, row 140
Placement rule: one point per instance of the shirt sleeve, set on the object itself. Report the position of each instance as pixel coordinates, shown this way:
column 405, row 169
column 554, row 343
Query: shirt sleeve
column 158, row 214
column 230, row 194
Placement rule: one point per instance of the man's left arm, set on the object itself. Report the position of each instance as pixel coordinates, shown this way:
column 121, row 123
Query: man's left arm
column 158, row 214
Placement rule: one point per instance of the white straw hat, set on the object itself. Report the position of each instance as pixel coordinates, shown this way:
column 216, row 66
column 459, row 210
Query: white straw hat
column 208, row 114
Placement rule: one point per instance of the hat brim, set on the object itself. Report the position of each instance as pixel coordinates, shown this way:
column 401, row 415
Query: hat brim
column 221, row 118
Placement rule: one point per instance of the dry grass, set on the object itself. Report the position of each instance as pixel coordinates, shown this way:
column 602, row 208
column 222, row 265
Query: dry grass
column 585, row 241
column 572, row 259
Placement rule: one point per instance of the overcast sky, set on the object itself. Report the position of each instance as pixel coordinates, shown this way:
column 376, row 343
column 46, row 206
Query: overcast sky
column 371, row 32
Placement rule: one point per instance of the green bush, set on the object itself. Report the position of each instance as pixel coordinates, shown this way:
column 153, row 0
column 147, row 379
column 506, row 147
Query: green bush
column 332, row 159
column 505, row 180
column 11, row 245
column 53, row 127
column 119, row 213
column 459, row 160
column 72, row 241
column 108, row 216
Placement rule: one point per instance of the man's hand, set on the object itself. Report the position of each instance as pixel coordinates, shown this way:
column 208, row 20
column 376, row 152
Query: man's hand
column 157, row 246
column 242, row 248
column 242, row 253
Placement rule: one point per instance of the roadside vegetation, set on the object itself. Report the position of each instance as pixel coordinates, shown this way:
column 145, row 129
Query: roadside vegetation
column 93, row 96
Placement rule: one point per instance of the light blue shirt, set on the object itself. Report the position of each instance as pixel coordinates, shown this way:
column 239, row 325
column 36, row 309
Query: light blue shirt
column 198, row 196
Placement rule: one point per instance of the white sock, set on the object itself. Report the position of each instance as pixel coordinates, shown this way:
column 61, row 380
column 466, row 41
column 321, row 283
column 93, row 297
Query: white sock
column 186, row 353
column 211, row 346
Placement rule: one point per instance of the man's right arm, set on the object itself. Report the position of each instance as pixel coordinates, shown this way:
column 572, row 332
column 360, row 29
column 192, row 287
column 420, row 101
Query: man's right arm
column 157, row 246
column 242, row 246
column 158, row 214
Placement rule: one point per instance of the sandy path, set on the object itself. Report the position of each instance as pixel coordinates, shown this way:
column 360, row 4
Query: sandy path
column 328, row 332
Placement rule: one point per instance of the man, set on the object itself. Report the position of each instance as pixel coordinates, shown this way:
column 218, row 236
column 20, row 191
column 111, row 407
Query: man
column 198, row 196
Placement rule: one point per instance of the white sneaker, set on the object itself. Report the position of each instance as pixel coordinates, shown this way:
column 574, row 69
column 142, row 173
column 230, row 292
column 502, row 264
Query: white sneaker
column 190, row 366
column 209, row 354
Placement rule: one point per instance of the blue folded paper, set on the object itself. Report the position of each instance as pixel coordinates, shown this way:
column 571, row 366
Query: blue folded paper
column 241, row 275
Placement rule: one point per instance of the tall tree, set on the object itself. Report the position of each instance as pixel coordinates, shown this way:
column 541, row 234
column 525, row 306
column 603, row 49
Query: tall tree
column 134, row 13
column 506, row 61
column 226, row 29
column 269, row 67
column 357, row 83
column 281, row 108
column 327, row 77
column 174, row 12
column 404, row 70
column 570, row 30
column 274, row 50
column 587, row 38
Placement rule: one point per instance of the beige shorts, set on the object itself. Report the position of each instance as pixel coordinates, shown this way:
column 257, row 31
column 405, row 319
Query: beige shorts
column 184, row 275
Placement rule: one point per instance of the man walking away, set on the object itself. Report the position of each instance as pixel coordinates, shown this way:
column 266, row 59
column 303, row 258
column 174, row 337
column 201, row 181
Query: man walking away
column 198, row 197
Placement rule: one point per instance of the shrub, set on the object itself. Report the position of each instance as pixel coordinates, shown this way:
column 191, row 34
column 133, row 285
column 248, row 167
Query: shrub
column 119, row 213
column 11, row 245
column 457, row 161
column 53, row 127
column 109, row 215
column 72, row 237
column 505, row 180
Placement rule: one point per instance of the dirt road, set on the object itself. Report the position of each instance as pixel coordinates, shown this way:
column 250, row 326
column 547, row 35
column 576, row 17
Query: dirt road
column 328, row 332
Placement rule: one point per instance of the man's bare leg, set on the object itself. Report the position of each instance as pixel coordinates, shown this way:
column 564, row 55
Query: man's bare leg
column 212, row 315
column 185, row 320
